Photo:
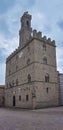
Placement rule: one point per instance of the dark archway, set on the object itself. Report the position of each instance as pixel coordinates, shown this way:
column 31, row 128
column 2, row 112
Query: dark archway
column 14, row 101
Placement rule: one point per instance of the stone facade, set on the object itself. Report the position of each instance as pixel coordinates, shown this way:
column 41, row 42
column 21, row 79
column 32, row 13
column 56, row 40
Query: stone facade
column 31, row 73
column 2, row 95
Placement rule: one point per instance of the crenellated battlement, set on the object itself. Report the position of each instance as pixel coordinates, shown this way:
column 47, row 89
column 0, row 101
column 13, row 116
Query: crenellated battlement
column 48, row 40
column 38, row 35
column 12, row 54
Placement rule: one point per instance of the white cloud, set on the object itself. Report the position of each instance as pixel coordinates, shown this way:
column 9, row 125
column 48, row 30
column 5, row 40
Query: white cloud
column 8, row 44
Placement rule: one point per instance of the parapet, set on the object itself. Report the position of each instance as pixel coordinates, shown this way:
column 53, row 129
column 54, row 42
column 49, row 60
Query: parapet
column 48, row 40
column 37, row 34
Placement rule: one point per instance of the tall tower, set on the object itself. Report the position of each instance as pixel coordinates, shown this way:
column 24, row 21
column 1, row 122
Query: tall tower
column 25, row 31
column 31, row 73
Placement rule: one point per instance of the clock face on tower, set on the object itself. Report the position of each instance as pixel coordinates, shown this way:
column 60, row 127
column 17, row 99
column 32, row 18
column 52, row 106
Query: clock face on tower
column 20, row 54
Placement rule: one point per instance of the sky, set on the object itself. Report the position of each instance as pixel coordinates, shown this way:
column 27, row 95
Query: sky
column 47, row 17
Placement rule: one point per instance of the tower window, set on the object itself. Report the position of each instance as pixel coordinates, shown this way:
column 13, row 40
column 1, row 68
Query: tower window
column 29, row 78
column 47, row 78
column 27, row 23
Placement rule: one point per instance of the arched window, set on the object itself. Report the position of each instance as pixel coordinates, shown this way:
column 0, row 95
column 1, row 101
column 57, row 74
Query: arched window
column 47, row 77
column 16, row 82
column 44, row 60
column 27, row 23
column 29, row 78
column 28, row 61
column 44, row 47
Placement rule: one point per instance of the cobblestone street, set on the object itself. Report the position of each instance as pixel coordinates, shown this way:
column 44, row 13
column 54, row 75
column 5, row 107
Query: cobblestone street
column 42, row 119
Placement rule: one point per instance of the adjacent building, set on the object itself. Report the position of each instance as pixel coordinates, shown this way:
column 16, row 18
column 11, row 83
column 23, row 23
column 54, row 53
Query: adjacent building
column 31, row 70
column 2, row 95
column 61, row 89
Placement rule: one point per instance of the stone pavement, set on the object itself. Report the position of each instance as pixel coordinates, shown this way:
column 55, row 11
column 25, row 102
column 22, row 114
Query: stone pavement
column 42, row 119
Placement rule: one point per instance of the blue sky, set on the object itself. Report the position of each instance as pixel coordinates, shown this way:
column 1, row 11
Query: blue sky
column 47, row 17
